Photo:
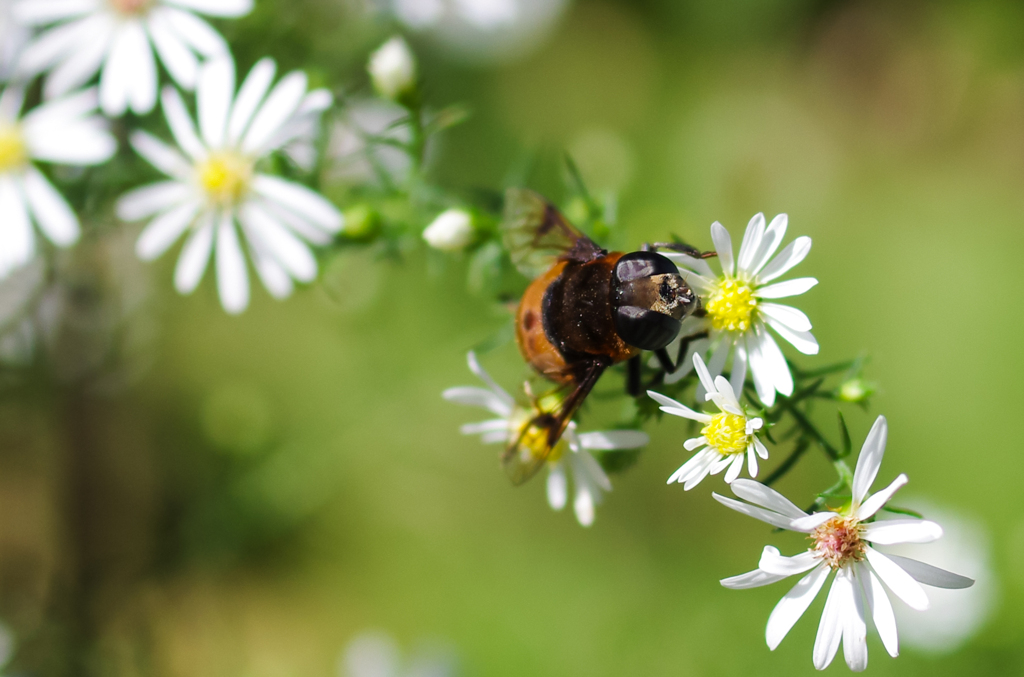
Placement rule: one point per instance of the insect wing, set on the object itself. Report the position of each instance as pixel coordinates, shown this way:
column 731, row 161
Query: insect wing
column 526, row 455
column 536, row 234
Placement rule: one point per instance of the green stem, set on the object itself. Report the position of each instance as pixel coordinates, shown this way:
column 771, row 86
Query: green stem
column 801, row 446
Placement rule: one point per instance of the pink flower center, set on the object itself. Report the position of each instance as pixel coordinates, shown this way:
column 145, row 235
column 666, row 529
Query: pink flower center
column 838, row 541
column 130, row 7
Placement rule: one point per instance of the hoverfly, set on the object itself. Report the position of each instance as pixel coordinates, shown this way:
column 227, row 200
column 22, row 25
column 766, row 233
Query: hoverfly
column 586, row 310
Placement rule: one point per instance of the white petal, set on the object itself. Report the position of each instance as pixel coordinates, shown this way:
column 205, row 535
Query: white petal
column 194, row 257
column 761, row 371
column 152, row 199
column 253, row 89
column 12, row 99
column 766, row 497
column 279, row 242
column 232, row 275
column 803, row 341
column 50, row 210
column 931, row 575
column 41, row 12
column 726, row 398
column 558, row 490
column 142, row 88
column 79, row 66
column 160, row 155
column 881, row 609
column 785, row 315
column 193, row 31
column 275, row 111
column 830, row 628
column 751, row 461
column 670, row 406
column 875, row 502
column 793, row 605
column 115, row 79
column 77, row 144
column 613, row 439
column 213, row 97
column 899, row 581
column 781, row 290
column 165, row 230
column 811, row 522
column 493, row 425
column 751, row 242
column 699, row 266
column 892, row 532
column 855, row 629
column 774, row 362
column 684, row 472
column 586, row 466
column 762, row 450
column 739, row 368
column 770, row 242
column 753, row 579
column 301, row 200
column 52, row 45
column 774, row 563
column 17, row 242
column 178, row 59
column 181, row 124
column 695, row 443
column 477, row 397
column 481, row 373
column 583, row 506
column 772, row 518
column 735, row 467
column 703, row 374
column 276, row 279
column 723, row 245
column 222, row 8
column 794, row 253
column 870, row 459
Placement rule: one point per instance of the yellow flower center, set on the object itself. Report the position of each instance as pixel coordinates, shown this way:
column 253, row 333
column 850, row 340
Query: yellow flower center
column 732, row 305
column 727, row 433
column 13, row 153
column 225, row 176
column 130, row 7
column 534, row 440
column 838, row 541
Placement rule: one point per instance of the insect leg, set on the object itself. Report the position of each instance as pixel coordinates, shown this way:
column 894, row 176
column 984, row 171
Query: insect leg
column 680, row 247
column 634, row 384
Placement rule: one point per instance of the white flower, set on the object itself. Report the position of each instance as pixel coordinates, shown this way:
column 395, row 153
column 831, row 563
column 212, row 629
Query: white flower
column 216, row 187
column 844, row 542
column 393, row 69
column 118, row 37
column 66, row 132
column 451, row 231
column 740, row 309
column 726, row 438
column 589, row 478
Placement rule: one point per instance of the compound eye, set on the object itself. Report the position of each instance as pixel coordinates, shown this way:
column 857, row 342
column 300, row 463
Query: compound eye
column 643, row 264
column 645, row 329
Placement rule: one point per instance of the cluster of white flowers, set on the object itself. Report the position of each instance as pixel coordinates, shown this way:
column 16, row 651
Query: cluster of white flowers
column 218, row 187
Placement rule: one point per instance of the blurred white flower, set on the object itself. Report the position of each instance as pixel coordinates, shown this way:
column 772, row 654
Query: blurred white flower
column 451, row 231
column 739, row 307
column 13, row 37
column 119, row 37
column 215, row 188
column 589, row 479
column 66, row 132
column 376, row 654
column 726, row 439
column 842, row 542
column 353, row 161
column 954, row 616
column 482, row 30
column 392, row 69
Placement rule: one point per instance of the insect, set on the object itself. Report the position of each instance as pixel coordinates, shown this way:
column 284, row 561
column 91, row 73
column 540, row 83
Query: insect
column 586, row 310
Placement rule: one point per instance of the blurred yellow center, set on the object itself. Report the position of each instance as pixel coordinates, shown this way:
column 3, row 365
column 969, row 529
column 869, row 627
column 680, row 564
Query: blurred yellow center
column 731, row 305
column 13, row 153
column 130, row 7
column 838, row 542
column 534, row 440
column 225, row 177
column 727, row 433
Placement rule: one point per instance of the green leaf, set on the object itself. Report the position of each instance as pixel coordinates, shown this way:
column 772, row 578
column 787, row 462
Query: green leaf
column 844, row 432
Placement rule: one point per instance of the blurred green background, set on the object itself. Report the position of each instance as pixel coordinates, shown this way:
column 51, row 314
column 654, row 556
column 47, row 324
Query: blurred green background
column 257, row 491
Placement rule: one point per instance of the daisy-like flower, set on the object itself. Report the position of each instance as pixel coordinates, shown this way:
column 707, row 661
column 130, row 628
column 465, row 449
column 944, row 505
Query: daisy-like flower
column 65, row 131
column 726, row 439
column 12, row 37
column 118, row 37
column 572, row 451
column 843, row 541
column 740, row 309
column 216, row 188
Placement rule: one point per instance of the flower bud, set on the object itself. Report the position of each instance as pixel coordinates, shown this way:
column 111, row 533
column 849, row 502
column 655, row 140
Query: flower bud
column 855, row 390
column 451, row 231
column 361, row 222
column 393, row 69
